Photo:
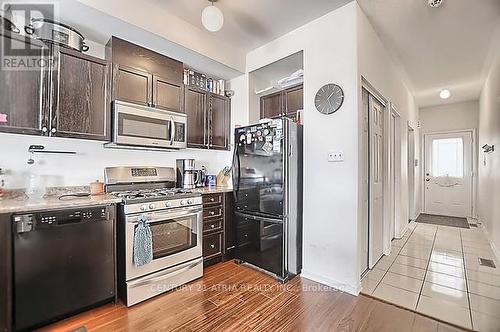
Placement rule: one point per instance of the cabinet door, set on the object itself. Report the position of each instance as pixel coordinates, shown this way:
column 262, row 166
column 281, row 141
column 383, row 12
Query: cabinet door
column 196, row 110
column 294, row 100
column 23, row 91
column 167, row 94
column 271, row 106
column 219, row 122
column 81, row 104
column 132, row 85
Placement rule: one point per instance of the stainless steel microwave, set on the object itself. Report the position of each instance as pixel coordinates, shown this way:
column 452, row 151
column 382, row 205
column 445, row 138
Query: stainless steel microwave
column 144, row 126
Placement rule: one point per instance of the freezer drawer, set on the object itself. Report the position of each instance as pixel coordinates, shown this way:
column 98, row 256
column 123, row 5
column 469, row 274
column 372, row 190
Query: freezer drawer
column 259, row 241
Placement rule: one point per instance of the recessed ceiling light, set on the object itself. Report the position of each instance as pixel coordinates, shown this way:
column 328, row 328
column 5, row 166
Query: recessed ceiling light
column 444, row 94
column 434, row 3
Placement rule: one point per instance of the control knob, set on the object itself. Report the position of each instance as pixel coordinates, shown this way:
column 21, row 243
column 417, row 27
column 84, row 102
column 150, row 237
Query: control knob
column 168, row 204
column 190, row 201
column 152, row 206
column 144, row 207
column 183, row 202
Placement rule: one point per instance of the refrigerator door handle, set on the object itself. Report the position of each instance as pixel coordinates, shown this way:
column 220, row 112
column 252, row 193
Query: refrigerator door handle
column 236, row 174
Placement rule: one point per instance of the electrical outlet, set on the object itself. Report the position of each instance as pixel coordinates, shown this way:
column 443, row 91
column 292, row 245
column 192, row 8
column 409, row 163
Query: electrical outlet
column 336, row 156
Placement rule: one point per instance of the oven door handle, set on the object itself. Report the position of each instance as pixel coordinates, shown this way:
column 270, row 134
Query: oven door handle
column 163, row 274
column 162, row 216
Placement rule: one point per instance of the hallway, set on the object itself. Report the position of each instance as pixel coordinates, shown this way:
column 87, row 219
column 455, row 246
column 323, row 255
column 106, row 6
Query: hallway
column 435, row 270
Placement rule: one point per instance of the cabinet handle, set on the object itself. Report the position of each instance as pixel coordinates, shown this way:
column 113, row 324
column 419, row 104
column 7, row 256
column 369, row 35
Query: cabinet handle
column 53, row 130
column 212, row 199
column 212, row 226
column 44, row 129
column 212, row 213
column 212, row 246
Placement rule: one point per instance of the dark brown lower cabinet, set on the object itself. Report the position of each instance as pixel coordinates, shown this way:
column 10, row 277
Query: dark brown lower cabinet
column 5, row 273
column 218, row 231
column 81, row 102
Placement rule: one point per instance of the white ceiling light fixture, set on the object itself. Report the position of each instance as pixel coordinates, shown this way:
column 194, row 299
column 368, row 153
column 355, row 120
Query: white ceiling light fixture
column 212, row 17
column 444, row 94
column 435, row 3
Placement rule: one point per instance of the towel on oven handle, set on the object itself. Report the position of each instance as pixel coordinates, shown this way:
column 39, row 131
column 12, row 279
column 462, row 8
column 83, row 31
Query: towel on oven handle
column 143, row 242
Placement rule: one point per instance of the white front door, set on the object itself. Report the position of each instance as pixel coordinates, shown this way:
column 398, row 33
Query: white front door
column 376, row 210
column 448, row 174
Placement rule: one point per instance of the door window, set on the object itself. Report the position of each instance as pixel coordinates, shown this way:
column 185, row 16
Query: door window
column 448, row 157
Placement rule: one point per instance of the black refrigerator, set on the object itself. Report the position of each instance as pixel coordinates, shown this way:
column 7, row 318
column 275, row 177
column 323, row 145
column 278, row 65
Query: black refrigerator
column 267, row 182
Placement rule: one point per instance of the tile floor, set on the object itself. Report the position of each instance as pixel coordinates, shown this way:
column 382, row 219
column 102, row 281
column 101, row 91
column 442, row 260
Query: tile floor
column 435, row 270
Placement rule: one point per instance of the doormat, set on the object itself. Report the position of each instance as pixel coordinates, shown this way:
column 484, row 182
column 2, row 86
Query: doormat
column 442, row 220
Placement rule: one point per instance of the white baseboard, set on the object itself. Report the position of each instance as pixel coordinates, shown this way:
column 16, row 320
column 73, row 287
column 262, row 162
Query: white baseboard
column 332, row 283
column 496, row 252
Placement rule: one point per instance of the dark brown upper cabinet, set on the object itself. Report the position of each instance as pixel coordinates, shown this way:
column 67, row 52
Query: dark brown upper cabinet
column 81, row 100
column 132, row 85
column 145, row 77
column 271, row 106
column 24, row 92
column 196, row 111
column 294, row 100
column 282, row 103
column 209, row 118
column 219, row 122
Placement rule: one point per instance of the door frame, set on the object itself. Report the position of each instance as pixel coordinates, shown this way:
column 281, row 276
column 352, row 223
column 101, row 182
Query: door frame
column 386, row 187
column 474, row 166
column 411, row 179
column 394, row 171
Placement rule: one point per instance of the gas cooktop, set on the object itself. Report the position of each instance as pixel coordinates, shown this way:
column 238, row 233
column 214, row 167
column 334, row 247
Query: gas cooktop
column 134, row 196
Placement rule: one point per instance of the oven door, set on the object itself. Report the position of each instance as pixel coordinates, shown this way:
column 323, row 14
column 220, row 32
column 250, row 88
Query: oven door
column 148, row 127
column 176, row 239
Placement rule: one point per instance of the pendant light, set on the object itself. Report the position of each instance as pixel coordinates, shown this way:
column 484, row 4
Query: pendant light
column 212, row 17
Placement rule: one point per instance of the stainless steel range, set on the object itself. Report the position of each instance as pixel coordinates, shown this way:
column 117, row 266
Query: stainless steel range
column 175, row 219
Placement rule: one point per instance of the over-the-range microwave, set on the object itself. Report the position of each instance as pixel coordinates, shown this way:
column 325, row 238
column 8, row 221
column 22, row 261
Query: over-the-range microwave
column 143, row 126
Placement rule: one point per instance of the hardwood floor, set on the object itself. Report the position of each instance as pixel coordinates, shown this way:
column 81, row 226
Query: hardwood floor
column 231, row 297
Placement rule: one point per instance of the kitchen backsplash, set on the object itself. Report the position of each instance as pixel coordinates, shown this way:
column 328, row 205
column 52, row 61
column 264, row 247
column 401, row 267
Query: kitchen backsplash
column 88, row 163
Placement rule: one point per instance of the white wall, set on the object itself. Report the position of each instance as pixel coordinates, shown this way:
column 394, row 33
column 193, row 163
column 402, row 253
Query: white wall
column 330, row 189
column 489, row 164
column 457, row 116
column 91, row 158
column 89, row 162
column 383, row 73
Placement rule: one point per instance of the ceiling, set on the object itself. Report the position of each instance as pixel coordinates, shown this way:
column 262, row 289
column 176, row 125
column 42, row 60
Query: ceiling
column 250, row 24
column 445, row 47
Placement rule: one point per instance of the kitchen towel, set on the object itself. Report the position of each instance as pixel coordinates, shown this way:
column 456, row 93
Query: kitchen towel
column 143, row 243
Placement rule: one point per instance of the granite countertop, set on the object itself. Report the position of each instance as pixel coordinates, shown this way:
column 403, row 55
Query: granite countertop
column 214, row 190
column 17, row 201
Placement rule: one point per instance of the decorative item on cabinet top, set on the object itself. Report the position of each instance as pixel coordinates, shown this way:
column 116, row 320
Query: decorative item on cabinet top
column 209, row 84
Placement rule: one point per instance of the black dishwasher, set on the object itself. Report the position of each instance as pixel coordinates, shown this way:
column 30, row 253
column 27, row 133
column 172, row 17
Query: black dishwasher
column 63, row 263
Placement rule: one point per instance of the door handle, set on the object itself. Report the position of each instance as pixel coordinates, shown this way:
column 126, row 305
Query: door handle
column 427, row 180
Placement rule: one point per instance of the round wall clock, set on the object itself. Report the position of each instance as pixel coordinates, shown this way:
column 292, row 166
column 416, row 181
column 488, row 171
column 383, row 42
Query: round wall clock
column 329, row 98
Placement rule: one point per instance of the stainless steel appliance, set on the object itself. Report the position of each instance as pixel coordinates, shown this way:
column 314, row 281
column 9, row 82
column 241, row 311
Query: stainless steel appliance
column 144, row 126
column 175, row 218
column 186, row 174
column 267, row 180
column 58, row 33
column 64, row 262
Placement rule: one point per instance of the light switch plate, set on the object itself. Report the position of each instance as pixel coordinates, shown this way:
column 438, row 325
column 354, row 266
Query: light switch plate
column 335, row 156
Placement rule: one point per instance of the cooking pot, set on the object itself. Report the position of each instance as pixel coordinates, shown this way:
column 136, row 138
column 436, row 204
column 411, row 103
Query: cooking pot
column 8, row 25
column 54, row 32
